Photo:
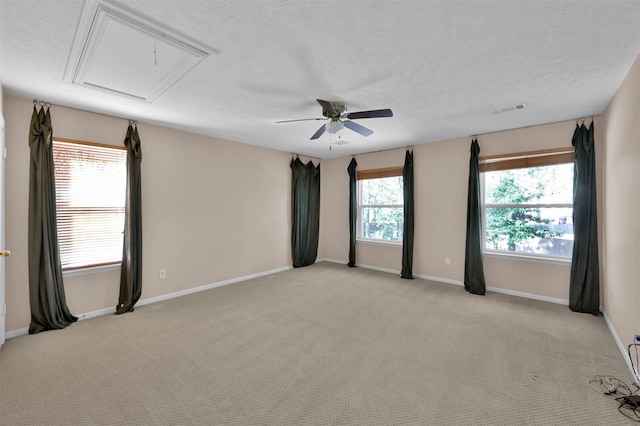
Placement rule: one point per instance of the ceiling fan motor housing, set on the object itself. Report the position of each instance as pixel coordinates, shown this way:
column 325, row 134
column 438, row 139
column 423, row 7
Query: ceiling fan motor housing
column 337, row 112
column 339, row 108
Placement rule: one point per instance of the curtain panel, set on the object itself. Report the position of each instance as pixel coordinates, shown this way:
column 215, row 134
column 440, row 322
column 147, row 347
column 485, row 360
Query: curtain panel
column 584, row 284
column 131, row 267
column 49, row 308
column 353, row 211
column 407, row 231
column 473, row 270
column 305, row 212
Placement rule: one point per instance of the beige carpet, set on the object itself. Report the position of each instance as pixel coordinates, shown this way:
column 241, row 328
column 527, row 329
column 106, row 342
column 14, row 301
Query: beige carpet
column 322, row 345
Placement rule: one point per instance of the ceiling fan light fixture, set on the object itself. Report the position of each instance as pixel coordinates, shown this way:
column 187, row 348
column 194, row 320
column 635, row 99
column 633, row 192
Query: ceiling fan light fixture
column 334, row 126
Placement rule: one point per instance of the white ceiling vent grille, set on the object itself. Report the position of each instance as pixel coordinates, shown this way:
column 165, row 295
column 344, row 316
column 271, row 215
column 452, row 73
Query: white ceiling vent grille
column 511, row 108
column 113, row 51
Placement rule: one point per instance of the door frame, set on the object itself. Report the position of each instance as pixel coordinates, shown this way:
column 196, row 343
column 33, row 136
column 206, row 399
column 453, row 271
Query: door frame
column 3, row 306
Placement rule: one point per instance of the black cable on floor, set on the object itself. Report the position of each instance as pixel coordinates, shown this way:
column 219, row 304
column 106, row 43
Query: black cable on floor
column 619, row 391
column 635, row 366
column 630, row 407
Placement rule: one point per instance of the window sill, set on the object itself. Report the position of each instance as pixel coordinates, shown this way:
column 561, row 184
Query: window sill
column 380, row 242
column 525, row 258
column 92, row 270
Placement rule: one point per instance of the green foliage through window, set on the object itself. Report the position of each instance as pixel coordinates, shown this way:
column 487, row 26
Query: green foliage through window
column 381, row 208
column 529, row 210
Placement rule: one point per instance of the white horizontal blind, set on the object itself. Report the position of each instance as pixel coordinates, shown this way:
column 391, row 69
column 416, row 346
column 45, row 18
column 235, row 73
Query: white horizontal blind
column 90, row 197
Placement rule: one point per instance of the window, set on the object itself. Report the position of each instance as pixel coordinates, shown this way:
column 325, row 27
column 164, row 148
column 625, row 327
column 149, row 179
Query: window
column 380, row 204
column 528, row 203
column 90, row 196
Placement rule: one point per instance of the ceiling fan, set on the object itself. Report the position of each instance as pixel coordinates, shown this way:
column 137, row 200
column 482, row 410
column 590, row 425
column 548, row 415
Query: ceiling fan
column 339, row 117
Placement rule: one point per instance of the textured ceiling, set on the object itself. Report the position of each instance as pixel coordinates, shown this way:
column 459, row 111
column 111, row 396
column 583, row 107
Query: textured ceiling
column 443, row 67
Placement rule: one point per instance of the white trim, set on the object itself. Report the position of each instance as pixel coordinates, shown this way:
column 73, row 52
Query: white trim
column 377, row 268
column 499, row 290
column 393, row 243
column 621, row 347
column 99, row 312
column 95, row 18
column 529, row 206
column 16, row 333
column 438, row 279
column 326, row 259
column 210, row 286
column 460, row 283
column 529, row 295
column 142, row 302
column 91, row 270
column 564, row 261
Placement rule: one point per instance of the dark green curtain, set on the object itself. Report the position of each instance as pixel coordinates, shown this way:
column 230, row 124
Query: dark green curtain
column 305, row 212
column 353, row 211
column 584, row 285
column 131, row 269
column 473, row 270
column 407, row 231
column 49, row 308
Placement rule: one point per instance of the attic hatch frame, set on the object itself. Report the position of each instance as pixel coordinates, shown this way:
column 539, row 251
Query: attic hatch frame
column 94, row 22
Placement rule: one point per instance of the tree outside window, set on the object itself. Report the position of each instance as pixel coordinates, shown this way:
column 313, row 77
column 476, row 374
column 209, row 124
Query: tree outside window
column 381, row 212
column 529, row 210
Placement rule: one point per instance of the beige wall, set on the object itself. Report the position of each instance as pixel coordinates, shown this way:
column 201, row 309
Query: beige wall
column 622, row 204
column 212, row 210
column 441, row 172
column 189, row 217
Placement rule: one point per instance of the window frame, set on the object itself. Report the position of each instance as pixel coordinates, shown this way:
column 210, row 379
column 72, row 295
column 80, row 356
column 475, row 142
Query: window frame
column 522, row 160
column 380, row 173
column 89, row 267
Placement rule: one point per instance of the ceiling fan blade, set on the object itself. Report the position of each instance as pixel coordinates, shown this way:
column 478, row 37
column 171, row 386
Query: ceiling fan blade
column 370, row 114
column 319, row 133
column 300, row 119
column 358, row 128
column 327, row 108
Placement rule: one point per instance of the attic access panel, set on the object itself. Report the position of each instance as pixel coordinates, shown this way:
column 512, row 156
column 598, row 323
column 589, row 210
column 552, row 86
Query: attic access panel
column 117, row 53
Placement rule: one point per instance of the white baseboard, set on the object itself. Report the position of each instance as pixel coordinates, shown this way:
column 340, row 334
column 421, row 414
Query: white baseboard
column 210, row 286
column 621, row 347
column 375, row 268
column 439, row 279
column 327, row 259
column 16, row 333
column 99, row 312
column 142, row 302
column 529, row 295
column 459, row 283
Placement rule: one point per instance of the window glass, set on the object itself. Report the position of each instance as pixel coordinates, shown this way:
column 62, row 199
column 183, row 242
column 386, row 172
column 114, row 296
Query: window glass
column 90, row 197
column 529, row 210
column 381, row 213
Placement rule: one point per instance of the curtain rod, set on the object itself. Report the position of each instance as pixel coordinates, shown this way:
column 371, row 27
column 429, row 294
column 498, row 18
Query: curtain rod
column 385, row 150
column 49, row 104
column 582, row 119
column 305, row 155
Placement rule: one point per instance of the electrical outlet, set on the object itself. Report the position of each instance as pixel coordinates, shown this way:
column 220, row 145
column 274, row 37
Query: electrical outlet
column 163, row 274
column 447, row 261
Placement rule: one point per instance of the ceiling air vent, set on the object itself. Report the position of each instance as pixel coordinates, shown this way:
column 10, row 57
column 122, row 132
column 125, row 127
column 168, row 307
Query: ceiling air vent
column 116, row 52
column 511, row 108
